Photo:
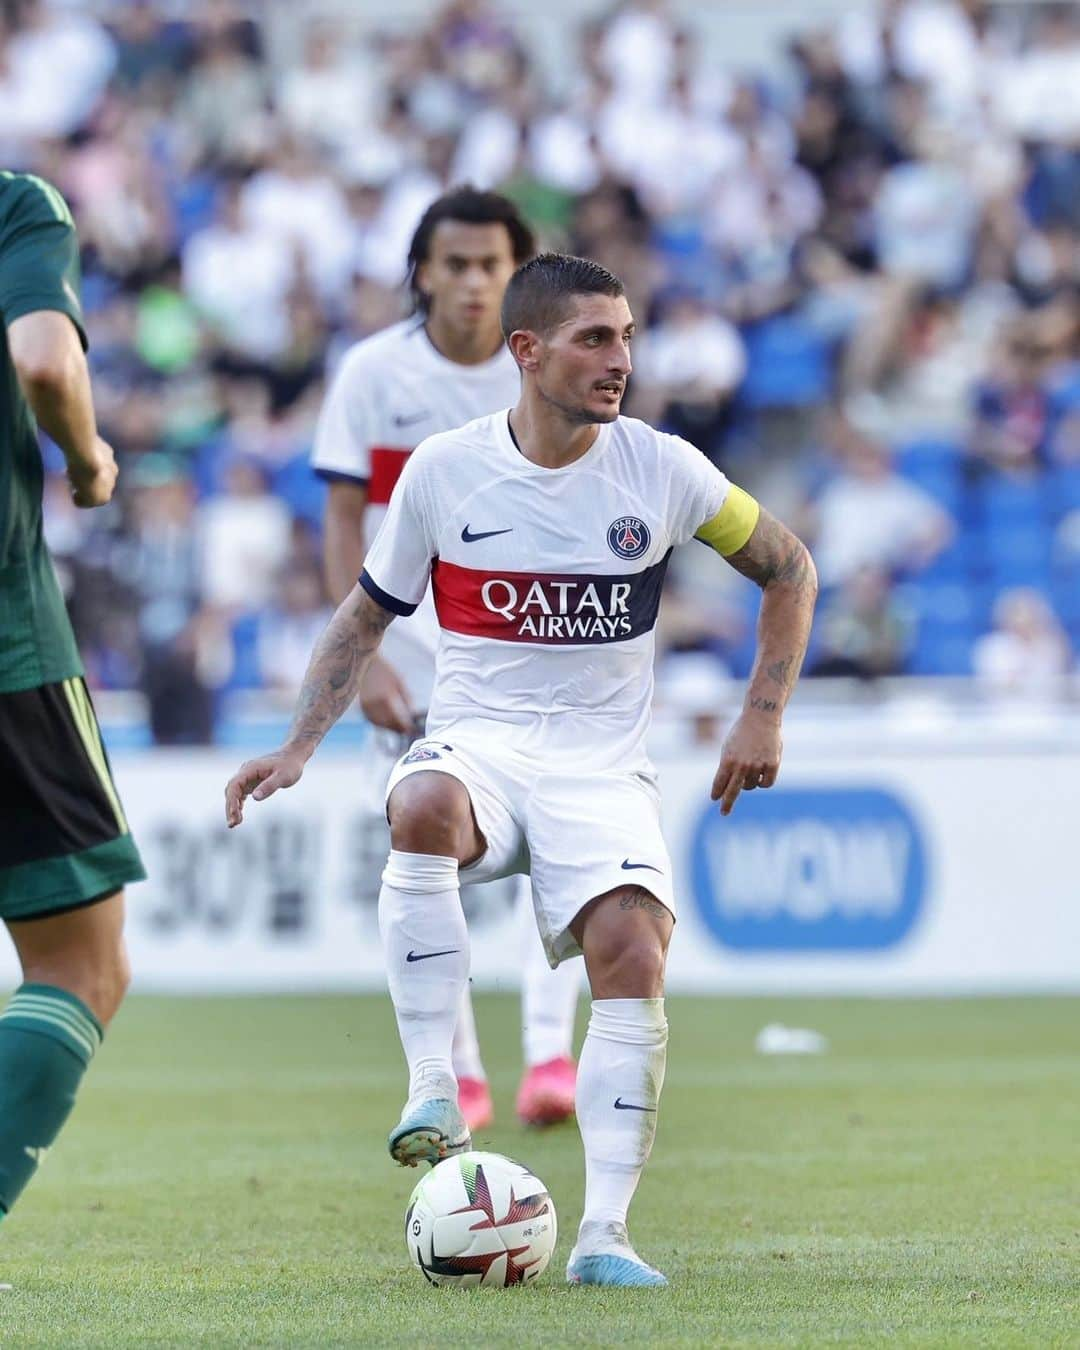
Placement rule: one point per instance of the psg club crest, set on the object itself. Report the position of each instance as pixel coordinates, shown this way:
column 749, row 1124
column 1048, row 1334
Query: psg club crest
column 628, row 537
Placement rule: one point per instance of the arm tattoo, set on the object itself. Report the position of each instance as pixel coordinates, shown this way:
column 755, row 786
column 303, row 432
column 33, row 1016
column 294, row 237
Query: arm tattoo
column 337, row 666
column 773, row 555
column 639, row 898
column 781, row 565
column 779, row 671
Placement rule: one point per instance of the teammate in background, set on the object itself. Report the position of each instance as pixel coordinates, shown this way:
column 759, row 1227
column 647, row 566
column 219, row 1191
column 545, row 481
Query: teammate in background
column 435, row 371
column 536, row 757
column 65, row 849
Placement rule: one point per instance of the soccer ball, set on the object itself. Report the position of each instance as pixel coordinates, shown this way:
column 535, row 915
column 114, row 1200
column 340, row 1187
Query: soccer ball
column 480, row 1218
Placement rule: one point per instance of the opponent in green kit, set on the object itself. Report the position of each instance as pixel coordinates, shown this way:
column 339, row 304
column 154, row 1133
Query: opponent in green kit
column 65, row 848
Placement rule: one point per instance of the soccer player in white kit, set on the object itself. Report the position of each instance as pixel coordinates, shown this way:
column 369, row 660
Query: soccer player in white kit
column 545, row 532
column 440, row 368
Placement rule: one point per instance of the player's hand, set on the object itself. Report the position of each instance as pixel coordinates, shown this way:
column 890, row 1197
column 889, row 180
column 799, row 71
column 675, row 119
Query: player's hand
column 750, row 759
column 260, row 778
column 384, row 699
column 93, row 479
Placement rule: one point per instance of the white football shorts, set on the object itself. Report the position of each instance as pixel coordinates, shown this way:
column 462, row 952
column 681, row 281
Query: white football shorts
column 578, row 835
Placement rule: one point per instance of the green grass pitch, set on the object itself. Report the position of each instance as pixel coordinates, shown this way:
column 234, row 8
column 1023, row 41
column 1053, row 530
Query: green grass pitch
column 224, row 1182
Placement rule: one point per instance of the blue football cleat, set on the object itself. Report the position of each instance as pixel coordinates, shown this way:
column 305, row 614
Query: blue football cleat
column 616, row 1264
column 429, row 1132
column 606, row 1268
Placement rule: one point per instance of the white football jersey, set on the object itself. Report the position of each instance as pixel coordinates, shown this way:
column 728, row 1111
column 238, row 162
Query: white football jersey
column 390, row 392
column 546, row 582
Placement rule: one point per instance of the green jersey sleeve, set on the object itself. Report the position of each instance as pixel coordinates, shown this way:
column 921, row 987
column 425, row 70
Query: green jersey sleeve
column 39, row 251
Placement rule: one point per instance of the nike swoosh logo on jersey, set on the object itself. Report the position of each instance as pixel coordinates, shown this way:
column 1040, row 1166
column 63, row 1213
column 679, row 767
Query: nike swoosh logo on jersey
column 409, row 419
column 426, row 956
column 468, row 537
column 620, row 1105
column 628, row 866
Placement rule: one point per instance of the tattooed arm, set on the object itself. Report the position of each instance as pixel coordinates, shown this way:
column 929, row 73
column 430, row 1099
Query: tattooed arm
column 334, row 674
column 781, row 565
column 783, row 568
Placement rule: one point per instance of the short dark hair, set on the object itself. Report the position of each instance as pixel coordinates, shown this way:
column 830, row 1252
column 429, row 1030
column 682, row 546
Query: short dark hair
column 469, row 206
column 538, row 294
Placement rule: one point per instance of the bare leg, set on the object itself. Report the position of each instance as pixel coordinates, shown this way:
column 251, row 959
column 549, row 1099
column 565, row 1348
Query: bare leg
column 82, row 952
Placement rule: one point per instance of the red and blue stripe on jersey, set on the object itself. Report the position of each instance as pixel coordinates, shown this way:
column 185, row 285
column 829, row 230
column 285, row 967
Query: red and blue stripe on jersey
column 387, row 463
column 553, row 608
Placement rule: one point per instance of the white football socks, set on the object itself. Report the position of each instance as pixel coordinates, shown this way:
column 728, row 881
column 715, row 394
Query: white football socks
column 620, row 1074
column 548, row 997
column 426, row 948
column 465, row 1051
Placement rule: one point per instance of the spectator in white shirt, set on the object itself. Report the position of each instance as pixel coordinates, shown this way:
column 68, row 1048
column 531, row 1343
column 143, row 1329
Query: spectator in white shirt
column 54, row 71
column 330, row 98
column 1027, row 652
column 238, row 277
column 925, row 218
column 245, row 534
column 687, row 369
column 869, row 516
column 297, row 200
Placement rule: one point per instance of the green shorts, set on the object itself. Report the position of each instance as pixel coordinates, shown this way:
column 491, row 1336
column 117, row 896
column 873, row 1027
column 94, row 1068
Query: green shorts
column 64, row 839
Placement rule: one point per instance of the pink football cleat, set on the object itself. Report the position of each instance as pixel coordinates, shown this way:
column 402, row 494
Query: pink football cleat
column 546, row 1095
column 474, row 1103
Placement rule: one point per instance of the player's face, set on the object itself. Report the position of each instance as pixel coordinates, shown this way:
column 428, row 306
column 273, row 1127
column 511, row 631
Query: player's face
column 465, row 274
column 584, row 362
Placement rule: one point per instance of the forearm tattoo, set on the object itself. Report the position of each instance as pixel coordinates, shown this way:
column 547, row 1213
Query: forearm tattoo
column 781, row 565
column 337, row 666
column 780, row 672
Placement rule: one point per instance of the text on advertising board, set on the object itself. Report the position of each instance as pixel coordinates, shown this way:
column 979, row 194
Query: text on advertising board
column 801, row 870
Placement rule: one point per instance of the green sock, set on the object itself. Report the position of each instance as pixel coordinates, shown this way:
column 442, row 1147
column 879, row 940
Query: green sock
column 47, row 1040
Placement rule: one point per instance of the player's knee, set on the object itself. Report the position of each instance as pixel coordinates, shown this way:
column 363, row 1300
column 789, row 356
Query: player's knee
column 630, row 968
column 119, row 979
column 430, row 813
column 105, row 982
column 100, row 979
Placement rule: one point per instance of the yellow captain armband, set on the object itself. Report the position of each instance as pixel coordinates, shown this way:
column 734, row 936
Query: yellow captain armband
column 733, row 524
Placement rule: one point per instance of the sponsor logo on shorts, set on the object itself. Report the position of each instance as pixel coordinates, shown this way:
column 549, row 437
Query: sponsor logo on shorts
column 426, row 956
column 620, row 1105
column 628, row 537
column 805, row 870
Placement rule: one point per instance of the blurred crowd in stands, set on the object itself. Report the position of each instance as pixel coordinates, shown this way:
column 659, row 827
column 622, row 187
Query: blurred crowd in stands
column 856, row 278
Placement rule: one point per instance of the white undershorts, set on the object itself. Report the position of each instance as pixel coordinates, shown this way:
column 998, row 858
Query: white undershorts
column 578, row 835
